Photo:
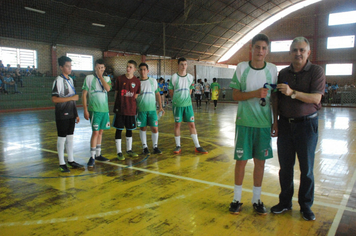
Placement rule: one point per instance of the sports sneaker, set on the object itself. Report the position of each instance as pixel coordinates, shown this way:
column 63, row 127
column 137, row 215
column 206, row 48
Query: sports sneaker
column 157, row 151
column 279, row 208
column 260, row 208
column 75, row 165
column 91, row 162
column 64, row 168
column 146, row 151
column 201, row 150
column 177, row 150
column 101, row 158
column 132, row 154
column 307, row 214
column 120, row 156
column 235, row 208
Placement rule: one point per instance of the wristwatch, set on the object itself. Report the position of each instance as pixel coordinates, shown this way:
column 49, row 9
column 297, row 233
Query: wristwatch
column 294, row 94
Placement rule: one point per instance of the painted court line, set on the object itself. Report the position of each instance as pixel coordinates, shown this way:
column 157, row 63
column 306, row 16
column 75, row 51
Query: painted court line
column 335, row 224
column 342, row 208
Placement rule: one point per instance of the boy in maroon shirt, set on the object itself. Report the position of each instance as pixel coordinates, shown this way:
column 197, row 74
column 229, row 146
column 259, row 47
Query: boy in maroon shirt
column 127, row 88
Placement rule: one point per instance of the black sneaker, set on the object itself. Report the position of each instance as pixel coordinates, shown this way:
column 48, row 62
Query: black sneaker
column 64, row 168
column 260, row 208
column 156, row 150
column 279, row 208
column 91, row 162
column 120, row 156
column 101, row 158
column 307, row 215
column 75, row 165
column 235, row 208
column 131, row 153
column 146, row 151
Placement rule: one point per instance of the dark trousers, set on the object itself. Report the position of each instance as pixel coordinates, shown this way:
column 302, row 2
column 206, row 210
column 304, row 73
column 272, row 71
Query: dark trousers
column 301, row 139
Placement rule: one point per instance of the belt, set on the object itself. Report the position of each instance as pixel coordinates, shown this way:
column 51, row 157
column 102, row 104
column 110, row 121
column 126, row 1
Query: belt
column 299, row 119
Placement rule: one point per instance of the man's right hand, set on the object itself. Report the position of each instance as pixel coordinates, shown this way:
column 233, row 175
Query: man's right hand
column 86, row 114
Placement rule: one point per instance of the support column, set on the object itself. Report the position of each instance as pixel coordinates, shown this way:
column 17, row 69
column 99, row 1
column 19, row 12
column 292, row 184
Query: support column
column 54, row 60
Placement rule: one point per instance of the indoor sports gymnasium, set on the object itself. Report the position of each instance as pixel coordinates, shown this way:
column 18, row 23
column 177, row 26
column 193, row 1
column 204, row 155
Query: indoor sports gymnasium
column 183, row 193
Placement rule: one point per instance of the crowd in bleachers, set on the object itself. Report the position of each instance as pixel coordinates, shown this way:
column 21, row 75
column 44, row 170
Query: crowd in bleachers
column 12, row 77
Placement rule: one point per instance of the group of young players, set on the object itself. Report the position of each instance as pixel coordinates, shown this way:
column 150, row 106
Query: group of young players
column 135, row 103
column 205, row 88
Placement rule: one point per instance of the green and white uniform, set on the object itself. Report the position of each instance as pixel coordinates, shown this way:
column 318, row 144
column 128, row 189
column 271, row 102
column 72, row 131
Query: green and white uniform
column 182, row 102
column 98, row 102
column 251, row 116
column 146, row 103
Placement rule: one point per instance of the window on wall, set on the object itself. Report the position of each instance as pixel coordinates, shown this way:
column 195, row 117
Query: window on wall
column 281, row 46
column 81, row 62
column 341, row 42
column 14, row 56
column 342, row 18
column 339, row 69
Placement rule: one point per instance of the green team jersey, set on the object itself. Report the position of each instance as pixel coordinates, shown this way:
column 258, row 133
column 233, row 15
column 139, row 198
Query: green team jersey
column 214, row 87
column 146, row 100
column 98, row 96
column 181, row 85
column 246, row 79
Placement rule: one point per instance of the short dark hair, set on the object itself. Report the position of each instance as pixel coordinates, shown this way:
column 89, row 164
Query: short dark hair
column 181, row 59
column 214, row 79
column 63, row 59
column 260, row 37
column 133, row 63
column 205, row 80
column 100, row 62
column 143, row 64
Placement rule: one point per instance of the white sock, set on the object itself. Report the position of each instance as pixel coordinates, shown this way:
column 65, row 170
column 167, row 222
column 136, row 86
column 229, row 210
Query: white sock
column 256, row 194
column 128, row 143
column 237, row 193
column 155, row 139
column 143, row 138
column 98, row 150
column 118, row 145
column 69, row 147
column 177, row 138
column 195, row 140
column 60, row 149
column 92, row 152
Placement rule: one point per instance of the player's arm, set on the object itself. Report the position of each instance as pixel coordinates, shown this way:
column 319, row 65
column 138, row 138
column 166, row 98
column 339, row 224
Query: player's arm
column 106, row 86
column 56, row 99
column 158, row 99
column 84, row 100
column 171, row 92
column 237, row 95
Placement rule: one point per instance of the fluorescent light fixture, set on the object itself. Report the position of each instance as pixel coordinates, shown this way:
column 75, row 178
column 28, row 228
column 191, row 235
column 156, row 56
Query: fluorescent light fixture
column 35, row 10
column 99, row 25
column 263, row 26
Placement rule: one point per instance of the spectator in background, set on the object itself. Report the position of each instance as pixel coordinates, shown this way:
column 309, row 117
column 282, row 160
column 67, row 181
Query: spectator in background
column 18, row 75
column 161, row 86
column 34, row 71
column 28, row 71
column 10, row 82
column 1, row 65
column 2, row 86
column 215, row 91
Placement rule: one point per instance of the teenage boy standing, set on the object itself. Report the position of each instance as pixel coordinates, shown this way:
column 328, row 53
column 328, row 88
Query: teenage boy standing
column 64, row 96
column 180, row 89
column 127, row 88
column 253, row 120
column 97, row 86
column 146, row 104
